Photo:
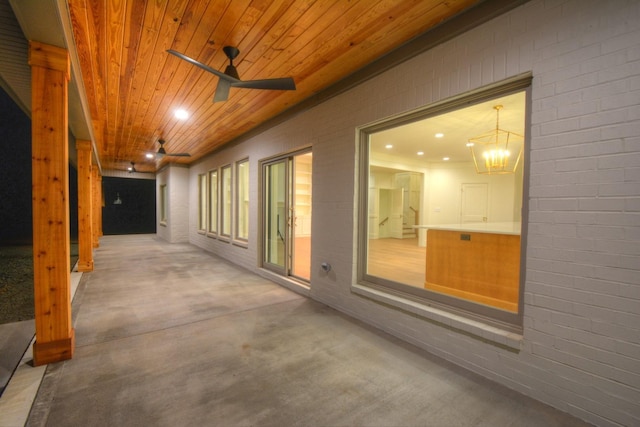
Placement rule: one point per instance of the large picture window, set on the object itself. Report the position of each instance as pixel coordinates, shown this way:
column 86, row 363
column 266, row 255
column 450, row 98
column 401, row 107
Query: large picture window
column 242, row 200
column 442, row 204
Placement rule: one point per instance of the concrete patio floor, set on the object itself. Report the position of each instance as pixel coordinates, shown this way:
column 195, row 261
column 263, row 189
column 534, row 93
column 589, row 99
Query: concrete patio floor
column 169, row 335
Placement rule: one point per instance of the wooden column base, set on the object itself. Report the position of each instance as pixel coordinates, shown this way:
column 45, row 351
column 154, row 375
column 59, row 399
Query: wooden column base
column 54, row 351
column 85, row 266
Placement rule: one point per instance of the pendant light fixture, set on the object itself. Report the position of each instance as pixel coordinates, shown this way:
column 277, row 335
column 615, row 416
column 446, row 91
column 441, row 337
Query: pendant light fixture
column 497, row 151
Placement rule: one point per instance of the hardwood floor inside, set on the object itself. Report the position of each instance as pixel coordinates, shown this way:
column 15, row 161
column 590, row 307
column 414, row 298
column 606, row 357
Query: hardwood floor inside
column 302, row 257
column 400, row 260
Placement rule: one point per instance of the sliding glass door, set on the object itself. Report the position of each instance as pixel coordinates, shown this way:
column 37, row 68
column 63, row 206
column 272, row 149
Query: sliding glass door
column 275, row 215
column 287, row 215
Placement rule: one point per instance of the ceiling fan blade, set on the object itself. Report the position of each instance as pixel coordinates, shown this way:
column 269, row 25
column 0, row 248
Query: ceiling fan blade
column 222, row 91
column 230, row 76
column 204, row 67
column 162, row 152
column 285, row 83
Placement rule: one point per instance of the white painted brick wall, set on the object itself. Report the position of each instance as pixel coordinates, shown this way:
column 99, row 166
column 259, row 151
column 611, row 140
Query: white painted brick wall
column 177, row 226
column 581, row 346
column 179, row 204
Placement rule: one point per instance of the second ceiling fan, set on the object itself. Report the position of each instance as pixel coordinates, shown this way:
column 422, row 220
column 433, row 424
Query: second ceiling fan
column 230, row 77
column 162, row 152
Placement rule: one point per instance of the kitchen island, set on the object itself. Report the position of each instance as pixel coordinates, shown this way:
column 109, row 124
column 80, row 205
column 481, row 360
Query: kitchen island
column 475, row 261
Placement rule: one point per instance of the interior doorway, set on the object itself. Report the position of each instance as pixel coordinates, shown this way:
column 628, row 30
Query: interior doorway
column 287, row 192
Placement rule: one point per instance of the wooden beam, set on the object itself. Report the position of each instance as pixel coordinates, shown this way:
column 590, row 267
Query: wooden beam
column 50, row 192
column 85, row 220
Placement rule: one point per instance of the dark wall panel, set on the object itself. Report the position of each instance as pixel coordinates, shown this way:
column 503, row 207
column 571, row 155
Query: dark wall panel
column 15, row 173
column 137, row 212
column 16, row 210
column 73, row 202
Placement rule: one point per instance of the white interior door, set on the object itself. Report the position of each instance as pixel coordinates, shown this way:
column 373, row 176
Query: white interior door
column 474, row 204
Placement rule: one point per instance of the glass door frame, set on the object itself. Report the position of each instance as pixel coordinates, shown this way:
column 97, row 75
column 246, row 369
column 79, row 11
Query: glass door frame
column 287, row 269
column 266, row 258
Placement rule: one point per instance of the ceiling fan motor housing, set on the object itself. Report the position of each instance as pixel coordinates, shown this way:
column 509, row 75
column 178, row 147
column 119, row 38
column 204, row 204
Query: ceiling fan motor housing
column 231, row 52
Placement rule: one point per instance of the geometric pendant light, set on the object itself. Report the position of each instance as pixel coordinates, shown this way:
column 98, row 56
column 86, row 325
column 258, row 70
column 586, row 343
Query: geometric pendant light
column 497, row 151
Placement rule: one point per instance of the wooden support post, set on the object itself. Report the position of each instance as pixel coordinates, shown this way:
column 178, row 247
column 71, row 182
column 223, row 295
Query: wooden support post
column 96, row 205
column 50, row 192
column 85, row 220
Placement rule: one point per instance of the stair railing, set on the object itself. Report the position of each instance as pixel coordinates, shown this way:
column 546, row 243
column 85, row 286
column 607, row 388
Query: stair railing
column 416, row 213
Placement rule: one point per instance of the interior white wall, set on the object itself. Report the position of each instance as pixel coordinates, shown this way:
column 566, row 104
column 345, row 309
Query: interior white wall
column 444, row 200
column 580, row 347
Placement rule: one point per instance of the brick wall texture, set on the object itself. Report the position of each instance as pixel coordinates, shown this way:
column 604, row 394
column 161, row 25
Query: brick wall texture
column 580, row 347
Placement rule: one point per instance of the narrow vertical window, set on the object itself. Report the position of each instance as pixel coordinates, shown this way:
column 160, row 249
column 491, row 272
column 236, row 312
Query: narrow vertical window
column 202, row 202
column 242, row 200
column 163, row 204
column 225, row 201
column 213, row 202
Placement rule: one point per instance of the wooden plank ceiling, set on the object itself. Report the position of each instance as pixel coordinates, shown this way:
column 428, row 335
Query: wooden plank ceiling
column 134, row 86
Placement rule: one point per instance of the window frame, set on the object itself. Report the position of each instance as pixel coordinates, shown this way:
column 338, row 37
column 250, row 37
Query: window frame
column 225, row 206
column 203, row 205
column 241, row 165
column 475, row 311
column 164, row 205
column 214, row 203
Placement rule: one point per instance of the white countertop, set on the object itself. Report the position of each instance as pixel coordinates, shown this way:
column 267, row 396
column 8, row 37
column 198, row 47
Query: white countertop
column 477, row 227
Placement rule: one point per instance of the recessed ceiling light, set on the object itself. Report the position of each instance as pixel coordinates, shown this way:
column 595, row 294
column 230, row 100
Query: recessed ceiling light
column 469, row 144
column 182, row 114
column 388, row 146
column 420, row 153
column 439, row 135
column 445, row 158
column 149, row 156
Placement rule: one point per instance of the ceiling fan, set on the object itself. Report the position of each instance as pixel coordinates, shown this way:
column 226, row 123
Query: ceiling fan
column 230, row 77
column 132, row 169
column 162, row 152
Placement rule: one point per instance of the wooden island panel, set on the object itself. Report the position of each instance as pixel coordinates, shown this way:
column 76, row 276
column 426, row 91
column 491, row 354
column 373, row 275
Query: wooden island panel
column 481, row 267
